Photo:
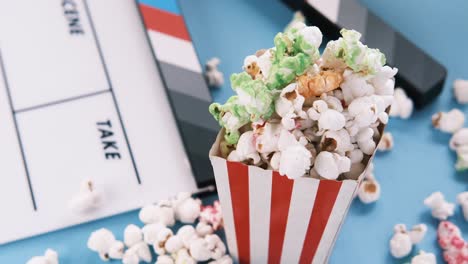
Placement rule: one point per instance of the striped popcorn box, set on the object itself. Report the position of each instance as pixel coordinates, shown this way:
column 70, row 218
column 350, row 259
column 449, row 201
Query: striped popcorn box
column 269, row 218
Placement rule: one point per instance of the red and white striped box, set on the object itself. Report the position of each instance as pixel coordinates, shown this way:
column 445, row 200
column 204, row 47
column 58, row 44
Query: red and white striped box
column 269, row 218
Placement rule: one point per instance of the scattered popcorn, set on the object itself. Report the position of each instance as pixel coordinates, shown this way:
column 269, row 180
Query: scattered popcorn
column 216, row 246
column 462, row 199
column 199, row 250
column 460, row 90
column 87, row 199
column 204, row 229
column 454, row 246
column 116, row 250
column 173, row 244
column 161, row 239
column 400, row 244
column 101, row 241
column 402, row 105
column 188, row 234
column 49, row 257
column 307, row 115
column 212, row 214
column 441, row 209
column 183, row 257
column 187, row 209
column 151, row 231
column 424, row 258
column 162, row 212
column 459, row 143
column 132, row 235
column 417, row 233
column 214, row 77
column 449, row 122
column 369, row 191
column 386, row 142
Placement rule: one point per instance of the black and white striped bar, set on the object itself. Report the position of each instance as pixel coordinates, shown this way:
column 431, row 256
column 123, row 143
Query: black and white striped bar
column 419, row 74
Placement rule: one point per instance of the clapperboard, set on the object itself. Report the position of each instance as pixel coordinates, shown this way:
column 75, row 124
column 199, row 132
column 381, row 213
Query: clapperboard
column 83, row 97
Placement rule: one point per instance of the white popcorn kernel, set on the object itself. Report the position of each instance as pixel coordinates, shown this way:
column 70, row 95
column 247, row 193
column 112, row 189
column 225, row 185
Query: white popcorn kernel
column 204, row 229
column 214, row 77
column 87, row 199
column 355, row 155
column 173, row 244
column 441, row 209
column 50, row 257
column 289, row 101
column 216, row 246
column 386, row 142
column 289, row 121
column 459, row 139
column 369, row 191
column 460, row 90
column 164, row 259
column 199, row 250
column 116, row 250
column 162, row 212
column 331, row 165
column 187, row 209
column 449, row 122
column 462, row 199
column 187, row 234
column 312, row 35
column 337, row 141
column 226, row 259
column 294, row 161
column 132, row 235
column 365, row 141
column 267, row 137
column 161, row 239
column 183, row 257
column 246, row 148
column 130, row 257
column 424, row 258
column 101, row 241
column 400, row 244
column 417, row 233
column 275, row 161
column 402, row 105
column 150, row 232
column 143, row 252
column 331, row 120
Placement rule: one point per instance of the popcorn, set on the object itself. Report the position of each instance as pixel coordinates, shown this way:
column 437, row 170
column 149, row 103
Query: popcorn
column 214, row 77
column 449, row 122
column 187, row 209
column 303, row 114
column 424, row 258
column 441, row 209
column 164, row 259
column 151, row 231
column 199, row 250
column 183, row 257
column 460, row 90
column 49, row 257
column 331, row 165
column 187, row 234
column 369, row 191
column 400, row 244
column 462, row 199
column 459, row 139
column 87, row 199
column 212, row 214
column 101, row 241
column 417, row 233
column 162, row 212
column 450, row 240
column 132, row 235
column 161, row 239
column 386, row 142
column 223, row 260
column 402, row 105
column 204, row 229
column 173, row 244
column 216, row 246
column 116, row 250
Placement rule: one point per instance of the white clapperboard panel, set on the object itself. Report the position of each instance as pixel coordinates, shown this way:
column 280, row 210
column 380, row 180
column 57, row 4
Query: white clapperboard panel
column 81, row 97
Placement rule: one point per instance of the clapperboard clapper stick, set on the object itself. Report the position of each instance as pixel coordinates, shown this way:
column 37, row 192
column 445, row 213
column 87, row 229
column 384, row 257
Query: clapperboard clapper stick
column 419, row 74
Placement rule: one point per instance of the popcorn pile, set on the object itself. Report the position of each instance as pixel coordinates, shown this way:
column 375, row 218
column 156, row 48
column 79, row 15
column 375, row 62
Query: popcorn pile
column 188, row 245
column 306, row 114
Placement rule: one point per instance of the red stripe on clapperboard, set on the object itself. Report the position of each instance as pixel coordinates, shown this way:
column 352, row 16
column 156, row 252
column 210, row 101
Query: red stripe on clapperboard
column 238, row 174
column 164, row 22
column 324, row 201
column 281, row 191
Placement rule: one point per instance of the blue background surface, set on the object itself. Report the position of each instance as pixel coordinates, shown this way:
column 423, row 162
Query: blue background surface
column 419, row 164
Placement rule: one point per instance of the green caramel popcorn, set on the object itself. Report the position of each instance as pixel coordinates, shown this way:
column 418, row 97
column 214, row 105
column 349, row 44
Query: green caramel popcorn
column 253, row 95
column 232, row 116
column 355, row 55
